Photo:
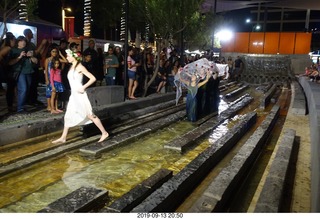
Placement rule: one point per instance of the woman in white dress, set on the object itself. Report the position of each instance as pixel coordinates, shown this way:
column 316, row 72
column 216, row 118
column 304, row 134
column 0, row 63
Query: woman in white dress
column 79, row 110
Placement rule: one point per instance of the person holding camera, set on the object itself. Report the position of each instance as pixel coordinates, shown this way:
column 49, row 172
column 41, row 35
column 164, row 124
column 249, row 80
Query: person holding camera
column 21, row 61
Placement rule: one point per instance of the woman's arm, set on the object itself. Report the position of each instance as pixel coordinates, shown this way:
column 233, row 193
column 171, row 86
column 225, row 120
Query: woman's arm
column 17, row 59
column 46, row 62
column 92, row 79
column 62, row 58
column 51, row 78
column 205, row 81
column 4, row 51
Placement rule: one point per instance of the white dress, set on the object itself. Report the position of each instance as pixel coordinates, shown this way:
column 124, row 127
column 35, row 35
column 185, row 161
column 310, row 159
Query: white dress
column 79, row 106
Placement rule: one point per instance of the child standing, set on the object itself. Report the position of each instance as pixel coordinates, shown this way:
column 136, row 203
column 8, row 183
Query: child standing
column 56, row 85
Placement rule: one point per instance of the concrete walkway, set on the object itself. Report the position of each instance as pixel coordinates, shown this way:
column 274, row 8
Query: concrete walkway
column 301, row 195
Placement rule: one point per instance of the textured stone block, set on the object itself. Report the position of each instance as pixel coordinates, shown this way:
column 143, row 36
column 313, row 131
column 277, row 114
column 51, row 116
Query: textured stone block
column 136, row 195
column 83, row 199
column 104, row 95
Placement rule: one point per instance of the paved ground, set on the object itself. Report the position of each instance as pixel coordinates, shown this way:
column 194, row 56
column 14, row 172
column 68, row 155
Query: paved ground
column 301, row 200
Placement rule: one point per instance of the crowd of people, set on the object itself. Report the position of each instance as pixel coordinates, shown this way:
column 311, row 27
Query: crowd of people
column 312, row 72
column 24, row 66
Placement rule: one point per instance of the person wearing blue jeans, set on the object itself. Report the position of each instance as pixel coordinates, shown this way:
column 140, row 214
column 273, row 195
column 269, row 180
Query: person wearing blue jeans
column 21, row 59
column 110, row 65
column 24, row 83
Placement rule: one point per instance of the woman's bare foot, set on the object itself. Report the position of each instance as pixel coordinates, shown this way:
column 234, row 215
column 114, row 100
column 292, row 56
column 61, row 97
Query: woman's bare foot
column 49, row 109
column 104, row 136
column 60, row 140
column 59, row 111
column 54, row 112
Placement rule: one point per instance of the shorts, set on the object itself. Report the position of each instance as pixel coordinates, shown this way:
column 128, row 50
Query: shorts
column 131, row 75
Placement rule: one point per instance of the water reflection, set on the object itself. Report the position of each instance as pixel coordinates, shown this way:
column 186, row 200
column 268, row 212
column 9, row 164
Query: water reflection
column 117, row 171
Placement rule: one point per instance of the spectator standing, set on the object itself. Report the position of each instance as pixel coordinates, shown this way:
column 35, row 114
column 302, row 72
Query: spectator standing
column 22, row 61
column 132, row 70
column 36, row 52
column 64, row 96
column 110, row 65
column 5, row 70
column 87, row 63
column 149, row 63
column 119, row 73
column 53, row 53
column 56, row 85
column 94, row 56
column 161, row 78
column 238, row 68
column 100, row 73
column 230, row 65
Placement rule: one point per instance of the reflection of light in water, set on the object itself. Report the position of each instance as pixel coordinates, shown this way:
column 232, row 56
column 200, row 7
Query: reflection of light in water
column 75, row 166
column 224, row 128
column 223, row 105
column 219, row 132
column 117, row 171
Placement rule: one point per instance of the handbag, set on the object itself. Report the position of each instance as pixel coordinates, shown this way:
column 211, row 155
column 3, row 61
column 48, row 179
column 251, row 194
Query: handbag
column 14, row 75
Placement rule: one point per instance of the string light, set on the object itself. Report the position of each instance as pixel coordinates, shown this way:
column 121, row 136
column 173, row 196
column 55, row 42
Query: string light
column 87, row 18
column 23, row 13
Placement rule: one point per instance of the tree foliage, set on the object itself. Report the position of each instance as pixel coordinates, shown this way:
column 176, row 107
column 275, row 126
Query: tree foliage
column 7, row 7
column 106, row 12
column 32, row 9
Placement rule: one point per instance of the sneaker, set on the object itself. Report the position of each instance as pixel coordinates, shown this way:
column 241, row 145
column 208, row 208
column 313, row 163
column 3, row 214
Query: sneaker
column 22, row 111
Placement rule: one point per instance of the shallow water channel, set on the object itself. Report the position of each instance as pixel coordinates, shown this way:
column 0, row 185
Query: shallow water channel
column 117, row 171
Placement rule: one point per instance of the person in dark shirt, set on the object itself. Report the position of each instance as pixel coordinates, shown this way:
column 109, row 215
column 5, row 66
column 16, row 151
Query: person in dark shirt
column 238, row 68
column 94, row 57
column 87, row 63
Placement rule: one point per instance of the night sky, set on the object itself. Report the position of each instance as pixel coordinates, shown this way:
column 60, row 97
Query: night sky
column 50, row 10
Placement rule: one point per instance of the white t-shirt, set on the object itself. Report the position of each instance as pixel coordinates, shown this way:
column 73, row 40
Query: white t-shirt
column 131, row 62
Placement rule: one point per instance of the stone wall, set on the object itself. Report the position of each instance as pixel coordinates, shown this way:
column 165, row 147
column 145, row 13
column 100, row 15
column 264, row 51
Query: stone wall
column 260, row 69
column 312, row 92
column 105, row 95
column 271, row 68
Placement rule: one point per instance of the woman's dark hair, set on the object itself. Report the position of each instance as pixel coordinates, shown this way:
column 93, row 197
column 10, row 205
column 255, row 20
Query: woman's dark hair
column 9, row 37
column 55, row 59
column 20, row 38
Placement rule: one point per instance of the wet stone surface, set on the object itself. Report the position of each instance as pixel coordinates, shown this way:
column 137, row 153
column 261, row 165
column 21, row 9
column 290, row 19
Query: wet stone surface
column 184, row 142
column 272, row 191
column 221, row 187
column 136, row 195
column 92, row 151
column 83, row 199
column 171, row 193
column 237, row 91
column 267, row 97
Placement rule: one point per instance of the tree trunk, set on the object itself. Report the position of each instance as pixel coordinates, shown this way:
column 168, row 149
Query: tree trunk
column 154, row 75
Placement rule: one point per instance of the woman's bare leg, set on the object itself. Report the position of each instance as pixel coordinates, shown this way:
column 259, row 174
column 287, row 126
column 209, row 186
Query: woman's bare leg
column 98, row 123
column 52, row 102
column 63, row 137
column 49, row 104
column 130, row 87
column 135, row 85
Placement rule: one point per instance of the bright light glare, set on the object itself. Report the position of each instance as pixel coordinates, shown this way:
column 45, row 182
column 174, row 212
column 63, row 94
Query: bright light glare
column 258, row 27
column 248, row 20
column 224, row 35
